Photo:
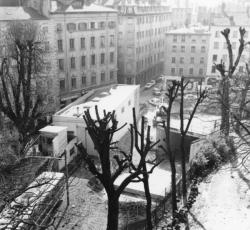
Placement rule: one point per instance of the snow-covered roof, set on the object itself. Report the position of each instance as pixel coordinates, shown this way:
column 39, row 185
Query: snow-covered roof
column 201, row 124
column 93, row 8
column 108, row 101
column 192, row 30
column 19, row 13
column 52, row 129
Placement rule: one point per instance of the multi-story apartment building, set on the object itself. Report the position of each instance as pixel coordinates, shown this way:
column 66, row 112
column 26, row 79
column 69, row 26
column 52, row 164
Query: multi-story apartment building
column 186, row 52
column 86, row 37
column 141, row 26
column 82, row 41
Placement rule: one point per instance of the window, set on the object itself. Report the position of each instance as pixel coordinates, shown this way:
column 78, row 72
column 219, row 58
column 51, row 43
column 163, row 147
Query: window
column 175, row 38
column 84, row 80
column 92, row 25
column 112, row 40
column 111, row 57
column 183, row 38
column 181, row 71
column 72, row 43
column 203, row 41
column 62, row 84
column 173, row 59
column 59, row 27
column 82, row 26
column 224, row 57
column 61, row 64
column 73, row 83
column 83, row 61
column 217, row 34
column 172, row 70
column 215, row 57
column 123, row 109
column 216, row 45
column 174, row 48
column 192, row 60
column 182, row 49
column 93, row 79
column 202, row 60
column 83, row 43
column 182, row 60
column 102, row 25
column 102, row 77
column 93, row 59
column 201, row 71
column 60, row 45
column 72, row 63
column 191, row 71
column 111, row 75
column 193, row 40
column 225, row 45
column 112, row 25
column 213, row 69
column 203, row 49
column 71, row 27
column 192, row 49
column 92, row 42
column 102, row 44
column 102, row 58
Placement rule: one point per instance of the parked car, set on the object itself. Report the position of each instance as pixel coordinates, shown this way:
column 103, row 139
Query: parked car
column 189, row 97
column 156, row 91
column 153, row 82
column 154, row 101
column 148, row 85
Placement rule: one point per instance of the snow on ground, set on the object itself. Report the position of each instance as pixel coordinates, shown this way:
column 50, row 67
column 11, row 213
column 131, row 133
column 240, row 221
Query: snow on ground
column 223, row 203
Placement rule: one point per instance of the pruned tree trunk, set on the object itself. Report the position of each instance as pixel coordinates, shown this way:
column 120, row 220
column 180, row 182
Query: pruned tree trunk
column 113, row 213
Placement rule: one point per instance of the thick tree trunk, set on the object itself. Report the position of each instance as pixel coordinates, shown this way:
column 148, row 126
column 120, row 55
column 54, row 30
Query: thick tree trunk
column 173, row 187
column 184, row 173
column 149, row 201
column 225, row 108
column 113, row 213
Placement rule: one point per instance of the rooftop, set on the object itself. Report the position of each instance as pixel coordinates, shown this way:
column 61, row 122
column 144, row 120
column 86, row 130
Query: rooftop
column 192, row 30
column 9, row 13
column 92, row 8
column 53, row 129
column 107, row 100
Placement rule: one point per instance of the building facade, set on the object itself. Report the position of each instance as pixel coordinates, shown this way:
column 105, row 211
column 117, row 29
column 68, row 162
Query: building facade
column 86, row 44
column 186, row 52
column 141, row 26
column 218, row 49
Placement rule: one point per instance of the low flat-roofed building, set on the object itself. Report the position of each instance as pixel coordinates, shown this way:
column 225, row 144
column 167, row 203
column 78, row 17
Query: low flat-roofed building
column 118, row 98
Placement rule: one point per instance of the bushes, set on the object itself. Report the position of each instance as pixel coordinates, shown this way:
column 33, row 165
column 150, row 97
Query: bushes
column 216, row 150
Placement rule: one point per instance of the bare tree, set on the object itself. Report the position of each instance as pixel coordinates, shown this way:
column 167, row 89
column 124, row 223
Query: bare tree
column 171, row 94
column 201, row 95
column 20, row 98
column 227, row 75
column 101, row 131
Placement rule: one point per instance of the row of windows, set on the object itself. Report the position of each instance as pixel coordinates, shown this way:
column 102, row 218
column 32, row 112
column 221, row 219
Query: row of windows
column 151, row 32
column 83, row 26
column 180, row 71
column 192, row 49
column 85, row 81
column 148, row 61
column 152, row 18
column 82, row 42
column 183, row 38
column 83, row 61
column 191, row 60
column 225, row 57
column 149, row 47
column 217, row 45
column 235, row 34
column 240, row 69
